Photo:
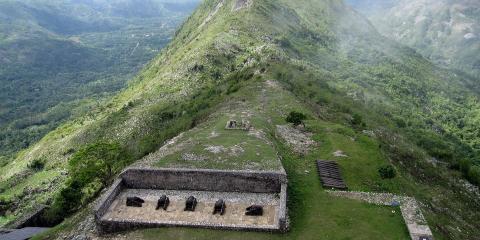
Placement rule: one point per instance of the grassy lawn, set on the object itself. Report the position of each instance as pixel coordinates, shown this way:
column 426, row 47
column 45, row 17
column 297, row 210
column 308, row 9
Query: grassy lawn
column 313, row 213
column 237, row 149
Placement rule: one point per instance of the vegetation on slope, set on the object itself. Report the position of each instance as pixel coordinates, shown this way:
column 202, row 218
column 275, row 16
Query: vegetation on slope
column 373, row 98
column 59, row 58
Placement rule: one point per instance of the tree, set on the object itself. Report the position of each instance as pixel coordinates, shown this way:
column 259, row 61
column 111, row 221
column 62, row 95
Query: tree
column 357, row 120
column 99, row 161
column 37, row 164
column 91, row 168
column 387, row 172
column 474, row 175
column 296, row 118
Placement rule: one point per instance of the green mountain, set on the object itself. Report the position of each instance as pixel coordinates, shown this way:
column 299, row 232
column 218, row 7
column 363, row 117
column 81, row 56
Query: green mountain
column 445, row 31
column 377, row 102
column 59, row 57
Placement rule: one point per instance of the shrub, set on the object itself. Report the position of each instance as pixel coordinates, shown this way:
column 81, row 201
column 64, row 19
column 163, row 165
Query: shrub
column 357, row 120
column 91, row 168
column 64, row 204
column 98, row 161
column 464, row 166
column 400, row 122
column 387, row 172
column 296, row 118
column 474, row 175
column 37, row 165
column 5, row 205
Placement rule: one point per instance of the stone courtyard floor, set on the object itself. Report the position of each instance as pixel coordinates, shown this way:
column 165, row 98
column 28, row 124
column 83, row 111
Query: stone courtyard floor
column 234, row 213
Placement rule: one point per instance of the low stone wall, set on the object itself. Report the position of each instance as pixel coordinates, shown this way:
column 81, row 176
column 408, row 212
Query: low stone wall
column 282, row 210
column 108, row 198
column 194, row 180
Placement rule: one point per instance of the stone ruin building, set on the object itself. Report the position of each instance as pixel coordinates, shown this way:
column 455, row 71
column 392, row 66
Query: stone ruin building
column 156, row 197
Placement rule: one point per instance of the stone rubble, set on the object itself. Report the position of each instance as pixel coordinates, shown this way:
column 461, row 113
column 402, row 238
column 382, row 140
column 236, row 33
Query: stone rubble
column 299, row 140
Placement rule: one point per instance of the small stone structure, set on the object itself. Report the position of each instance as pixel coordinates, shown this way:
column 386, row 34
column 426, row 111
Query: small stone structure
column 416, row 223
column 238, row 189
column 330, row 175
column 235, row 125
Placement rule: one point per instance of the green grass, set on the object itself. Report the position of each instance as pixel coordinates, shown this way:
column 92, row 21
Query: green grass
column 252, row 152
column 37, row 180
column 360, row 167
column 314, row 214
column 330, row 71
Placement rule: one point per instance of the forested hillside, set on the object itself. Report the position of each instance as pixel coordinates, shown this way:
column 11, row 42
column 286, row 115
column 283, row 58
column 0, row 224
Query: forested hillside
column 380, row 102
column 59, row 58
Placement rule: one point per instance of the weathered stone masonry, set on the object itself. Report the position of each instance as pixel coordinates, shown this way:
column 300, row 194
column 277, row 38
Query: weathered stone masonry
column 193, row 180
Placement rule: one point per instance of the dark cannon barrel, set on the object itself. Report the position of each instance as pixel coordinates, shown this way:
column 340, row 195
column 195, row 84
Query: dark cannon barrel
column 219, row 207
column 135, row 202
column 163, row 202
column 191, row 204
column 254, row 210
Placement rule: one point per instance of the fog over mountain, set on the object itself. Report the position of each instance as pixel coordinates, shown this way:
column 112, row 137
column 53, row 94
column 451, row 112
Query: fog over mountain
column 445, row 31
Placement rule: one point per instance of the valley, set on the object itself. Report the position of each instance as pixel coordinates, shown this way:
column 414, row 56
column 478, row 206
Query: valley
column 61, row 60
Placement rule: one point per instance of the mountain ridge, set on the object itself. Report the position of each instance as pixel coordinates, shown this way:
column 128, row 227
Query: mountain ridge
column 351, row 83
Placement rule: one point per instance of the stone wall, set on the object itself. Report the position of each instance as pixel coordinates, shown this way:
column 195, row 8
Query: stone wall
column 204, row 180
column 107, row 198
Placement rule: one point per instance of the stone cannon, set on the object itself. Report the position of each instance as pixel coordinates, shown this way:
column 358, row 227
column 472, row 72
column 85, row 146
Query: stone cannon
column 134, row 202
column 254, row 210
column 163, row 202
column 191, row 204
column 219, row 207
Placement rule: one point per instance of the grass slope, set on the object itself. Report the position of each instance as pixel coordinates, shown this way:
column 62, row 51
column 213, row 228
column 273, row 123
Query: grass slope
column 313, row 213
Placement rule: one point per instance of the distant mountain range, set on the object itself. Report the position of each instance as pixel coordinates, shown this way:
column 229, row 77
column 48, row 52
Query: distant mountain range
column 445, row 31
